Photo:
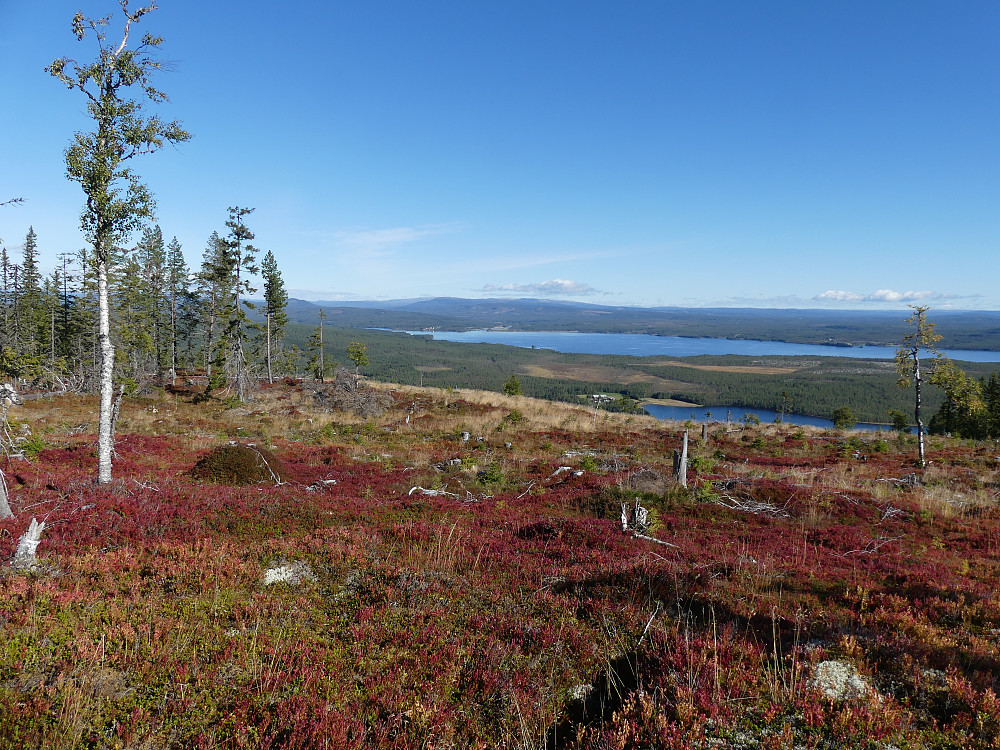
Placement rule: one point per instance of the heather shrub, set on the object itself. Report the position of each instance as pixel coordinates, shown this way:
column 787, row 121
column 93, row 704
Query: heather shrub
column 238, row 464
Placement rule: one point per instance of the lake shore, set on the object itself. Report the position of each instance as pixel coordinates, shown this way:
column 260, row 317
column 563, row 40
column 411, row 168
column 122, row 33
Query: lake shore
column 669, row 402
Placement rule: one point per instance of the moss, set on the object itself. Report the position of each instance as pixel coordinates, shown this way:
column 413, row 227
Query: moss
column 237, row 464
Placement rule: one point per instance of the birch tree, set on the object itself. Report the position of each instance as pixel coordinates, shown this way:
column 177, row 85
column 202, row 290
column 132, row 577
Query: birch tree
column 116, row 85
column 921, row 341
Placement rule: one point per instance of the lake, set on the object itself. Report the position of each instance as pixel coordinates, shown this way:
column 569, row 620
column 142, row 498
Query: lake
column 646, row 345
column 735, row 414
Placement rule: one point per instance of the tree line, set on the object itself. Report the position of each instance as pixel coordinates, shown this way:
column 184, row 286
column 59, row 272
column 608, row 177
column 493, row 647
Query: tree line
column 164, row 317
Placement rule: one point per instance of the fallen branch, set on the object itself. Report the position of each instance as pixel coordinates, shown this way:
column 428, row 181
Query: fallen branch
column 320, row 484
column 260, row 457
column 469, row 497
column 910, row 480
column 433, row 493
column 753, row 506
column 635, row 520
column 873, row 546
column 637, row 535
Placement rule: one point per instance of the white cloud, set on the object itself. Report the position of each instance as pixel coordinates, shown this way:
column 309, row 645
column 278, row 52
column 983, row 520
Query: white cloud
column 379, row 242
column 880, row 295
column 552, row 288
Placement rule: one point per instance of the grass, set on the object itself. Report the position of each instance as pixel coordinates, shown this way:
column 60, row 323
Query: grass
column 512, row 612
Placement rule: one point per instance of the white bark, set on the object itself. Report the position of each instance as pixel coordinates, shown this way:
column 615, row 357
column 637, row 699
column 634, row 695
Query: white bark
column 680, row 462
column 24, row 557
column 105, row 431
column 5, row 511
column 917, row 382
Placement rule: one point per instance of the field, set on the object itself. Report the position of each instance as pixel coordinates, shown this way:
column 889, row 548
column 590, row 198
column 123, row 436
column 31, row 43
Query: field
column 453, row 573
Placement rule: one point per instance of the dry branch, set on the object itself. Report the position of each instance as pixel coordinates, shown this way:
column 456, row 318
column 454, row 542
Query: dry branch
column 750, row 505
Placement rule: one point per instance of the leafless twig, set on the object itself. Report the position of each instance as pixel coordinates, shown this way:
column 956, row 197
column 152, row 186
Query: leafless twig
column 749, row 505
column 873, row 546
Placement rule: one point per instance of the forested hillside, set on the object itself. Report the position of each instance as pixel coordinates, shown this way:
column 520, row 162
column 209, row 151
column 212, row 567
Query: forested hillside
column 170, row 321
column 959, row 329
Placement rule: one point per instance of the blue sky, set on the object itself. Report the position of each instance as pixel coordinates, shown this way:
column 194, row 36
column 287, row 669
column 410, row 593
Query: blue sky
column 765, row 154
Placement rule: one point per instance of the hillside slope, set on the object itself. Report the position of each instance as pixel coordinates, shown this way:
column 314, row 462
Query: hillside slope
column 453, row 573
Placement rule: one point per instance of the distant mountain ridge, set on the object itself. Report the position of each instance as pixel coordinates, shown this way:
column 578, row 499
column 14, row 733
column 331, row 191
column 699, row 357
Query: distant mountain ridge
column 961, row 329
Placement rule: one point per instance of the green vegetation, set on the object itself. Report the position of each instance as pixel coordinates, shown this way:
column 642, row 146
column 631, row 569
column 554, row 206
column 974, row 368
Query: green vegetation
column 816, row 385
column 512, row 386
column 357, row 352
column 843, row 418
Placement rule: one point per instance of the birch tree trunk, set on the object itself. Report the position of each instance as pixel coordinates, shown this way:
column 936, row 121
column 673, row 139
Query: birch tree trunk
column 682, row 476
column 105, row 431
column 5, row 511
column 917, row 381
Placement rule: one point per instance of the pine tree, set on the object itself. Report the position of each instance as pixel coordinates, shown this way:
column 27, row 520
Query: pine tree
column 357, row 352
column 85, row 325
column 50, row 304
column 275, row 304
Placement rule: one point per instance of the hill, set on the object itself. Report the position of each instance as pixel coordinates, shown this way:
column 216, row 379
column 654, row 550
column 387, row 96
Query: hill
column 454, row 573
column 961, row 329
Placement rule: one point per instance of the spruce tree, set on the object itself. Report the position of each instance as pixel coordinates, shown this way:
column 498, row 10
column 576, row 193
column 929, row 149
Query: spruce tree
column 30, row 302
column 275, row 304
column 134, row 330
column 241, row 259
column 8, row 278
column 181, row 304
column 151, row 257
column 216, row 297
column 66, row 301
column 316, row 363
